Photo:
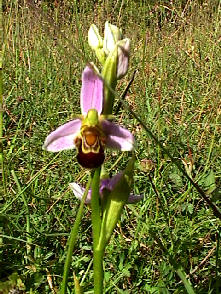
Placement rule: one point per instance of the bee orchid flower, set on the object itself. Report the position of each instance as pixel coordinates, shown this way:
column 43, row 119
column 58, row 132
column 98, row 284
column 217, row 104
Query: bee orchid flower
column 91, row 133
column 107, row 184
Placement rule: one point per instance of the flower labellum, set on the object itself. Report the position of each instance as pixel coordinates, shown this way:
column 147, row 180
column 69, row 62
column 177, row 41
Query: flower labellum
column 91, row 143
column 91, row 133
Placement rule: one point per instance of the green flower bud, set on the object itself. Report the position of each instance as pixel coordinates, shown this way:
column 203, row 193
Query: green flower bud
column 94, row 38
column 112, row 34
column 96, row 43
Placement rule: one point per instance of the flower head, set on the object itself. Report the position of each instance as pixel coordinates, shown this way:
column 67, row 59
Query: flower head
column 112, row 49
column 105, row 185
column 91, row 133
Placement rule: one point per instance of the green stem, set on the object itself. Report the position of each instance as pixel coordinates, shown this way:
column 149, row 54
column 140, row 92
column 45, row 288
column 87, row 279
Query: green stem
column 95, row 206
column 109, row 74
column 73, row 239
column 180, row 272
column 96, row 225
column 98, row 271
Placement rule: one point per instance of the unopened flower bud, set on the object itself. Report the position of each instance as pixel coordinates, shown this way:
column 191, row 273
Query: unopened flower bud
column 112, row 34
column 96, row 43
column 94, row 38
column 123, row 52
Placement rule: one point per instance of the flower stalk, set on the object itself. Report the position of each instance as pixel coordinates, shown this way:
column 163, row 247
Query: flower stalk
column 96, row 227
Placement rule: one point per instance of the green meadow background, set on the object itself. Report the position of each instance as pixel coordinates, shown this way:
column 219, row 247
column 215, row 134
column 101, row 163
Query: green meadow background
column 176, row 93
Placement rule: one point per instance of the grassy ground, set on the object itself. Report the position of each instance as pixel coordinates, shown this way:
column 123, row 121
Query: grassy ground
column 176, row 93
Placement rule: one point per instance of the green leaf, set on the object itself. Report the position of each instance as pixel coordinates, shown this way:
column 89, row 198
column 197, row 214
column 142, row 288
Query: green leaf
column 115, row 203
column 77, row 286
column 208, row 182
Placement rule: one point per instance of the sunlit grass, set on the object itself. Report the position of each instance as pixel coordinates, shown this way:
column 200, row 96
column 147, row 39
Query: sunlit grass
column 176, row 92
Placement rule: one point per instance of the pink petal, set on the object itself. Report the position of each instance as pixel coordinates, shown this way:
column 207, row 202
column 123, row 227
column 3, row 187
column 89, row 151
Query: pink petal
column 63, row 137
column 91, row 91
column 117, row 137
column 79, row 192
column 123, row 57
column 111, row 183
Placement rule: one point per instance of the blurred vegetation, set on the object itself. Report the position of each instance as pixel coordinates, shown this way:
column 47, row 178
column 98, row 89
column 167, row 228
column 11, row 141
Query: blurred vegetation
column 176, row 93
